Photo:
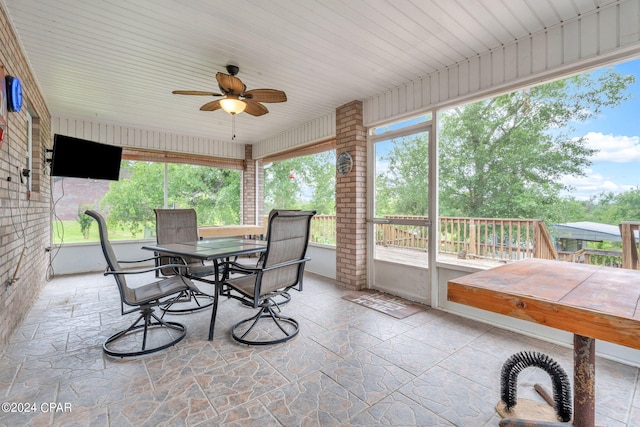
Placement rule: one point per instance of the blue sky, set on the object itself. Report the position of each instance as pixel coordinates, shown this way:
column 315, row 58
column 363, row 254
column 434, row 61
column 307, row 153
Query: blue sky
column 616, row 136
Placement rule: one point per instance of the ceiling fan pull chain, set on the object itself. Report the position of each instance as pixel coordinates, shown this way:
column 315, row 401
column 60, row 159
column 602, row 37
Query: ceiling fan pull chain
column 233, row 127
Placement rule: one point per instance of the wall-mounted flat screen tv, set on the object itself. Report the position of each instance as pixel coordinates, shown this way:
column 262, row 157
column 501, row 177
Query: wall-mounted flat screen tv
column 79, row 158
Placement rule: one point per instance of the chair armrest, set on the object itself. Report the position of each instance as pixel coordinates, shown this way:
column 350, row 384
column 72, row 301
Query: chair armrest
column 139, row 260
column 146, row 270
column 234, row 267
column 285, row 264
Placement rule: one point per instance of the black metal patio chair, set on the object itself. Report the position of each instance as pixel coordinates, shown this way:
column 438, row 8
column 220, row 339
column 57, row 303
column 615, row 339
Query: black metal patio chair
column 280, row 269
column 149, row 333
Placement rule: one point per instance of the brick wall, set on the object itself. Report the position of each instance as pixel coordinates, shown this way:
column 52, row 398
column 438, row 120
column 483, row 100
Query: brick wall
column 252, row 190
column 77, row 192
column 351, row 199
column 24, row 216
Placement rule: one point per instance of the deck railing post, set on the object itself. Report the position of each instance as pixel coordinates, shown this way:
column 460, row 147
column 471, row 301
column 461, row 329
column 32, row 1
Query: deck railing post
column 472, row 238
column 629, row 249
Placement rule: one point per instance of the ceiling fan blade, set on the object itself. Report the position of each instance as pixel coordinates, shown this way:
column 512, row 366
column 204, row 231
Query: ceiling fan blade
column 195, row 92
column 255, row 108
column 230, row 84
column 211, row 106
column 266, row 95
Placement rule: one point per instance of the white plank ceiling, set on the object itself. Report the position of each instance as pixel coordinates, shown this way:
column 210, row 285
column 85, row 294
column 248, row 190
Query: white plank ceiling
column 117, row 61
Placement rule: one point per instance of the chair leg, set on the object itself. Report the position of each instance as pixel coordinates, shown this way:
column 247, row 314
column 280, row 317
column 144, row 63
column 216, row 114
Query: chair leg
column 266, row 312
column 144, row 323
column 185, row 297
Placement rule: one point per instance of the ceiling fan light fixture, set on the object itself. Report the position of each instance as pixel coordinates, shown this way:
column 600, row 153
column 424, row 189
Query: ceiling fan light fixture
column 233, row 105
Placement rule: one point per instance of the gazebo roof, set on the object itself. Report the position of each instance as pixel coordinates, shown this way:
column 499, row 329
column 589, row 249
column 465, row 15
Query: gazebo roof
column 585, row 230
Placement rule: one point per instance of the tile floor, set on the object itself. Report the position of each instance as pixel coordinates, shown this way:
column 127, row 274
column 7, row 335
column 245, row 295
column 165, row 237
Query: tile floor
column 349, row 365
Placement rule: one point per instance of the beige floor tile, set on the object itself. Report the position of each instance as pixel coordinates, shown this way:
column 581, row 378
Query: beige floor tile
column 349, row 365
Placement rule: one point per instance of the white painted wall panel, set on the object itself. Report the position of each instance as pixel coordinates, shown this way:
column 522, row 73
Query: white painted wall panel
column 524, row 57
column 589, row 36
column 146, row 139
column 463, row 79
column 539, row 53
column 425, row 82
column 497, row 66
column 629, row 13
column 486, row 71
column 510, row 62
column 443, row 84
column 606, row 34
column 474, row 75
column 454, row 80
column 554, row 47
column 316, row 130
column 607, row 39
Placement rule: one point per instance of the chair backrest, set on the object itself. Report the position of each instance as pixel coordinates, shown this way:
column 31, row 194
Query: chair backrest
column 126, row 293
column 176, row 226
column 287, row 241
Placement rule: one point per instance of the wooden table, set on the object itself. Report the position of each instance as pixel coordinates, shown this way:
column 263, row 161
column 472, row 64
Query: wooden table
column 230, row 230
column 215, row 250
column 590, row 301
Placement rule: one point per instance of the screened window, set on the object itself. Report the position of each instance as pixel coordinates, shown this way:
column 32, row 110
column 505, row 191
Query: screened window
column 128, row 203
column 515, row 167
column 305, row 182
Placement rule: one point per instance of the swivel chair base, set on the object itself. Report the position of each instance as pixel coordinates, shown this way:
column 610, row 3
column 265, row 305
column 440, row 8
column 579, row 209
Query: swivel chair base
column 146, row 322
column 286, row 325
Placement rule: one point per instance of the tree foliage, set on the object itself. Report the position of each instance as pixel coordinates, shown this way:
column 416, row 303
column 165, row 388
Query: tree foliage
column 213, row 193
column 505, row 156
column 615, row 208
column 402, row 185
column 306, row 182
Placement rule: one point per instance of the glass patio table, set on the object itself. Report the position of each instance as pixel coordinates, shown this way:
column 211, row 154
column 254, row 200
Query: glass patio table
column 215, row 250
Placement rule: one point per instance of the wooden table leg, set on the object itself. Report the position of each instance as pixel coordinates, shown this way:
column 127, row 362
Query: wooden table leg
column 584, row 381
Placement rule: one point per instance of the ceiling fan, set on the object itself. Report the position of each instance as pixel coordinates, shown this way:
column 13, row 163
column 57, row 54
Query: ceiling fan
column 236, row 96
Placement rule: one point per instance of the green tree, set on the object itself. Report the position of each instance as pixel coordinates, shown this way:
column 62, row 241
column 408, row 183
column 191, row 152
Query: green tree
column 306, row 182
column 131, row 200
column 615, row 208
column 403, row 188
column 85, row 221
column 505, row 156
column 321, row 177
column 282, row 184
column 213, row 193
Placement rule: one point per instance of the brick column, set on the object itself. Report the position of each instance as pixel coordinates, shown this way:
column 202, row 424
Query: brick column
column 351, row 199
column 252, row 188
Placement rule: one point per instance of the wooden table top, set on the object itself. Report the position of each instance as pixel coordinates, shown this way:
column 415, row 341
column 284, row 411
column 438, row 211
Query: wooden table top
column 592, row 301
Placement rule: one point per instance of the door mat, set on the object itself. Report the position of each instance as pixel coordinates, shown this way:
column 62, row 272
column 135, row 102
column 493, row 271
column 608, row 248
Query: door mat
column 385, row 303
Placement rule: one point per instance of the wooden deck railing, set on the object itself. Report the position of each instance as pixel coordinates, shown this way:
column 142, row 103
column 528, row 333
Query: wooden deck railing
column 403, row 236
column 593, row 257
column 495, row 238
column 491, row 238
column 628, row 231
column 500, row 239
column 323, row 229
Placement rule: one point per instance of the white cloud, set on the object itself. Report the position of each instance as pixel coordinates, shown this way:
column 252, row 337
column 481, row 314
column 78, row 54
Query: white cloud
column 617, row 149
column 593, row 184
